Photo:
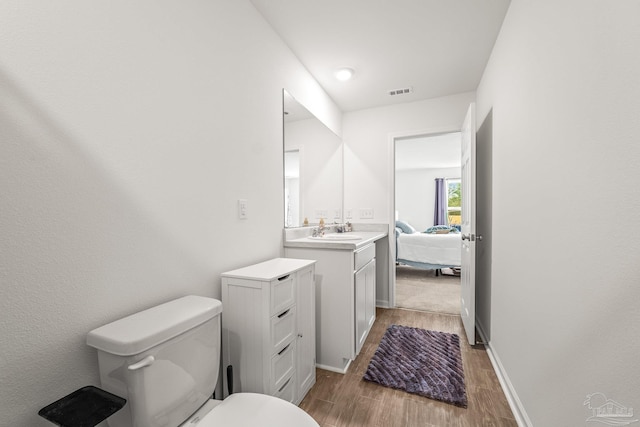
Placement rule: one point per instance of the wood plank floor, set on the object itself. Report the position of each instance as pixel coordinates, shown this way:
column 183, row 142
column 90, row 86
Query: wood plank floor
column 347, row 400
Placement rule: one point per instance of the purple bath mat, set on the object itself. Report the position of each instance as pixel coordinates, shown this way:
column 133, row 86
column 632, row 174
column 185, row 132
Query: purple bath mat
column 422, row 362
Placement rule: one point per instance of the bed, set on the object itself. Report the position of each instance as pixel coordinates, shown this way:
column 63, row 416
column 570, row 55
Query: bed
column 440, row 247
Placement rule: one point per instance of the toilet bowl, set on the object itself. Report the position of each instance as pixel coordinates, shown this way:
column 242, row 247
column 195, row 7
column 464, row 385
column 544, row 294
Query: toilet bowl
column 165, row 362
column 248, row 410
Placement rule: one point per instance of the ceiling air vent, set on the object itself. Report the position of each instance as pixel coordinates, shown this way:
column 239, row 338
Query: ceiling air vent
column 400, row 91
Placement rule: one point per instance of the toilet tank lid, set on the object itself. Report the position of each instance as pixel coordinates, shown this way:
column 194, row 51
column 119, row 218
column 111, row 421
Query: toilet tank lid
column 141, row 331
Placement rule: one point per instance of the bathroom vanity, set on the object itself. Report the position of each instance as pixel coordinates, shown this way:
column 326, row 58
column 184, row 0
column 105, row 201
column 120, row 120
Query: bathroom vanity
column 345, row 291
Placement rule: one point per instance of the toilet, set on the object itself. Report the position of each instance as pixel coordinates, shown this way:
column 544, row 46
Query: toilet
column 165, row 362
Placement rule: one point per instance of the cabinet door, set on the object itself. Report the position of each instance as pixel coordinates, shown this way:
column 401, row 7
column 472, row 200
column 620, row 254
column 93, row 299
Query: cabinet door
column 360, row 283
column 306, row 369
column 370, row 305
column 365, row 301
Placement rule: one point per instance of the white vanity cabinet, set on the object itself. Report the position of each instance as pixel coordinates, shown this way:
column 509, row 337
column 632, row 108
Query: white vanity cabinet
column 268, row 328
column 345, row 300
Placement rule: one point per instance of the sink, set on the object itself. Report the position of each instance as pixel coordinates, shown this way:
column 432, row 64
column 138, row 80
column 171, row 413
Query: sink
column 337, row 236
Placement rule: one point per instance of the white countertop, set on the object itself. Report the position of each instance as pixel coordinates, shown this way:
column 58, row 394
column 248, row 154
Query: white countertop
column 326, row 243
column 269, row 270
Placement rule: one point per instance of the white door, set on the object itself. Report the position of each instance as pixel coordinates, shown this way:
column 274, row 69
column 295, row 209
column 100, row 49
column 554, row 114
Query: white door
column 468, row 184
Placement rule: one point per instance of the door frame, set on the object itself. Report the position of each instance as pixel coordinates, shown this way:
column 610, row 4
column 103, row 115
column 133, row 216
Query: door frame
column 391, row 146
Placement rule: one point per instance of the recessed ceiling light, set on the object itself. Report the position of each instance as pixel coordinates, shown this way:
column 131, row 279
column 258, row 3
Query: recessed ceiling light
column 344, row 74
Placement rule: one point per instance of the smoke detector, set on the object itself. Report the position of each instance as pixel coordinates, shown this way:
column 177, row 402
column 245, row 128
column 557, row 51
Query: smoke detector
column 401, row 91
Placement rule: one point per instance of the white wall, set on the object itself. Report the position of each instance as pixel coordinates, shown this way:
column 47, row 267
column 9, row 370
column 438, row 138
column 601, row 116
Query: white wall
column 368, row 151
column 563, row 84
column 128, row 131
column 416, row 194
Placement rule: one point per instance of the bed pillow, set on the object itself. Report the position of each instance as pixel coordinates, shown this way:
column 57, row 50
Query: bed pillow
column 441, row 229
column 406, row 228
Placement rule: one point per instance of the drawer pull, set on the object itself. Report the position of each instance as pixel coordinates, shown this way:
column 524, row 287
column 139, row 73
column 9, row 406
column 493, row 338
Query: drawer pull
column 284, row 385
column 284, row 349
column 280, row 279
column 284, row 313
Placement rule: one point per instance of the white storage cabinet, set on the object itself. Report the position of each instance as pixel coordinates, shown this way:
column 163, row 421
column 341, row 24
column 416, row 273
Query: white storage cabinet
column 268, row 328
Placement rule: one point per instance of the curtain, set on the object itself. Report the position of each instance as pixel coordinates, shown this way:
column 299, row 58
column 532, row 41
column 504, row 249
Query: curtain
column 440, row 211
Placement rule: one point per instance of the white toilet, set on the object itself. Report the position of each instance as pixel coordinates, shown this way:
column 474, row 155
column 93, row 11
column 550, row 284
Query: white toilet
column 165, row 362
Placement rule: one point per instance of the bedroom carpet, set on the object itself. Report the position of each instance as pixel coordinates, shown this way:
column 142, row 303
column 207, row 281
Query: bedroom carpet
column 418, row 289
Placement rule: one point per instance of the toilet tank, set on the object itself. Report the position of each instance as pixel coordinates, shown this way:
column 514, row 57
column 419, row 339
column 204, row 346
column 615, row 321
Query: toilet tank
column 163, row 360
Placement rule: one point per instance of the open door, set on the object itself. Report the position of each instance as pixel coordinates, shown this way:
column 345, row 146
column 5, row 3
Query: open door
column 468, row 184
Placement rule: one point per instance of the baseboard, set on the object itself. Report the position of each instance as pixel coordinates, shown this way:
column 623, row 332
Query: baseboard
column 512, row 397
column 383, row 304
column 334, row 369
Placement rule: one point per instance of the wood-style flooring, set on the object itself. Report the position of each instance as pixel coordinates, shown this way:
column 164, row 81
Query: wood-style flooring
column 347, row 400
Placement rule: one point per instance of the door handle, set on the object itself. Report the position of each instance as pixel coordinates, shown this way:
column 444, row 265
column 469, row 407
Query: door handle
column 470, row 237
column 479, row 237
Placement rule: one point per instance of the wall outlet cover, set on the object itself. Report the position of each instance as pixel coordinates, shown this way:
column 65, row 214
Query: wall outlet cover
column 366, row 213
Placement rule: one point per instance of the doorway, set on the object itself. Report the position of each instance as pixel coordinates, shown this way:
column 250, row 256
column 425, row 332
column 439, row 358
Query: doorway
column 427, row 274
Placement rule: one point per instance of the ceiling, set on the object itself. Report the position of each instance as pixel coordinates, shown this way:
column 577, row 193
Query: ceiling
column 435, row 47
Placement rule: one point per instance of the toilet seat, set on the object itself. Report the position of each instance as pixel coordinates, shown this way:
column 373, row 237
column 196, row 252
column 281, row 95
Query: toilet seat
column 255, row 410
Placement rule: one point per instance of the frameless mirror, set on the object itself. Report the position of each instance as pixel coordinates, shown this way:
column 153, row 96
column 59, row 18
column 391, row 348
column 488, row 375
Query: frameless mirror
column 312, row 167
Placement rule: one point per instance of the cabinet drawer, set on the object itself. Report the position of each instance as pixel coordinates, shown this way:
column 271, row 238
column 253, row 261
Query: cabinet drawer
column 283, row 329
column 287, row 390
column 363, row 256
column 283, row 293
column 282, row 366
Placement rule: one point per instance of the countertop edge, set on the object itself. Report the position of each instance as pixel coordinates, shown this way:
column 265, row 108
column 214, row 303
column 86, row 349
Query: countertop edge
column 368, row 237
column 269, row 270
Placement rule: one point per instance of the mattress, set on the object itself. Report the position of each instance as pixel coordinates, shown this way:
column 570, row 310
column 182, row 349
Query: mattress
column 440, row 249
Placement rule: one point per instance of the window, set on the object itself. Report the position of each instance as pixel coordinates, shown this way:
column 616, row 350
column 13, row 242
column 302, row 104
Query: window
column 454, row 197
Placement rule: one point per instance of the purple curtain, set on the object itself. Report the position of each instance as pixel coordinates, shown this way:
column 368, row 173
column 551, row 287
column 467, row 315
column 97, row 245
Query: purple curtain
column 440, row 211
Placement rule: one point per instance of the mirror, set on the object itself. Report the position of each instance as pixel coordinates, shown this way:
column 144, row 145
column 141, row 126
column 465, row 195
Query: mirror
column 312, row 167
